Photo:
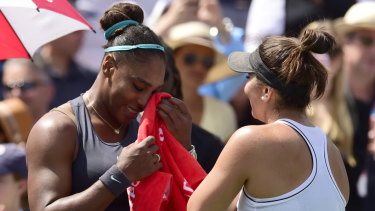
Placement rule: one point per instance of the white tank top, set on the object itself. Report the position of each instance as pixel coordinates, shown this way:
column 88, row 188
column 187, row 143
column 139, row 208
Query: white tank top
column 319, row 192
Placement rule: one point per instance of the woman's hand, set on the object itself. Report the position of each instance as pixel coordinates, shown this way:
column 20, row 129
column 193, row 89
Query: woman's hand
column 139, row 159
column 179, row 11
column 177, row 118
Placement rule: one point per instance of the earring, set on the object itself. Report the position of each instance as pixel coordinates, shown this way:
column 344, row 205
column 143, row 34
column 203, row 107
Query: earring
column 263, row 97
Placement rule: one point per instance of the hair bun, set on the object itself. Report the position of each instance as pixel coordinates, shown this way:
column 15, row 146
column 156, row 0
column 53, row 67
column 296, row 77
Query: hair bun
column 317, row 41
column 120, row 12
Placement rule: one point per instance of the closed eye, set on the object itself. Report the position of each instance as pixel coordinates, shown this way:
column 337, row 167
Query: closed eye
column 138, row 88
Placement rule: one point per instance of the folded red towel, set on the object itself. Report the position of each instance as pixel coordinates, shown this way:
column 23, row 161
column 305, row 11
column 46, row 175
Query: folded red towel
column 170, row 187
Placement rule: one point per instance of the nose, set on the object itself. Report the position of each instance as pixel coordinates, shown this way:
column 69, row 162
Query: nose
column 15, row 92
column 199, row 66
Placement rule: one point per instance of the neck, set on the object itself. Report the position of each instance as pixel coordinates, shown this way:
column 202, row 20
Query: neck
column 194, row 102
column 102, row 116
column 190, row 94
column 293, row 114
column 362, row 91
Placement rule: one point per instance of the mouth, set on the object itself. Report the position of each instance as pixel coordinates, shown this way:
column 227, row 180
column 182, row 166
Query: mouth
column 133, row 112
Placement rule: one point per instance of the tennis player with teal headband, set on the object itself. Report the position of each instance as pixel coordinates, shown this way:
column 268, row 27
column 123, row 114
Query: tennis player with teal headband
column 82, row 155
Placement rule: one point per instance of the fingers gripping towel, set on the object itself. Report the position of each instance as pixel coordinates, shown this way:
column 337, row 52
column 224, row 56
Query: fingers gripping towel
column 170, row 187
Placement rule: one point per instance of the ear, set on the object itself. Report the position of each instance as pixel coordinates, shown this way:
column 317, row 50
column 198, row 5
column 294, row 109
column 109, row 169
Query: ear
column 108, row 65
column 267, row 92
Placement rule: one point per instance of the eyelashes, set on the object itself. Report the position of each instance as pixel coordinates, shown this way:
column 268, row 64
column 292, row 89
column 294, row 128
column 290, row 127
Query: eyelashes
column 138, row 88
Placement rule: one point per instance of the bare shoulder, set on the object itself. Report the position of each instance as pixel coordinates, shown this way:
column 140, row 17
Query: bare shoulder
column 254, row 135
column 50, row 152
column 251, row 141
column 338, row 169
column 53, row 133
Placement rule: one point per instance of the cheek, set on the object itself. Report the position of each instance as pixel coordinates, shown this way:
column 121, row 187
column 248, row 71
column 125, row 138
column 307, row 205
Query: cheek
column 247, row 89
column 183, row 69
column 7, row 191
column 180, row 64
column 352, row 53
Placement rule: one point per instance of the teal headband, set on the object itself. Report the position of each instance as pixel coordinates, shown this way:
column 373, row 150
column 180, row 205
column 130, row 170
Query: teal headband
column 108, row 33
column 131, row 47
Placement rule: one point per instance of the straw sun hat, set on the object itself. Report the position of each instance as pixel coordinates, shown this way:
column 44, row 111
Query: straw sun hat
column 360, row 16
column 196, row 32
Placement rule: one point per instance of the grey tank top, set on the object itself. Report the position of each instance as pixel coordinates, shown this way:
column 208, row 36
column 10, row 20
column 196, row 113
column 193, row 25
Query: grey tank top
column 95, row 156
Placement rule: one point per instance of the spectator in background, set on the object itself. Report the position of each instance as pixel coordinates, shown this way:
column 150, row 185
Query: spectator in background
column 195, row 55
column 15, row 121
column 160, row 15
column 287, row 17
column 13, row 178
column 356, row 31
column 91, row 53
column 57, row 59
column 24, row 80
column 331, row 111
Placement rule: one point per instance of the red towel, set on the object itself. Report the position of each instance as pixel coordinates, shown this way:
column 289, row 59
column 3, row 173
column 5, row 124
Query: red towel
column 170, row 187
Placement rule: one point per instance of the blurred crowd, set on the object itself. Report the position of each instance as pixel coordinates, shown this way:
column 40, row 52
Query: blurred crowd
column 201, row 34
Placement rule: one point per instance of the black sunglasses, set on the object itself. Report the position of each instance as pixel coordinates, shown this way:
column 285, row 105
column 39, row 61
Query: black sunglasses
column 23, row 86
column 365, row 41
column 191, row 59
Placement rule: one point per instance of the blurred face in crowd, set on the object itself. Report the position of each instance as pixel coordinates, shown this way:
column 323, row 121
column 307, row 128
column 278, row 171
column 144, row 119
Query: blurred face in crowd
column 11, row 191
column 193, row 62
column 30, row 85
column 359, row 53
column 69, row 44
column 333, row 66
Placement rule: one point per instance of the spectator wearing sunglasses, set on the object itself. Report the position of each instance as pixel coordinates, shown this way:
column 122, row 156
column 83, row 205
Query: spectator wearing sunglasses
column 357, row 33
column 195, row 57
column 23, row 79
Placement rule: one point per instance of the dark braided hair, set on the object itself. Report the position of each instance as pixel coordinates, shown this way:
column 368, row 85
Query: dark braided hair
column 130, row 35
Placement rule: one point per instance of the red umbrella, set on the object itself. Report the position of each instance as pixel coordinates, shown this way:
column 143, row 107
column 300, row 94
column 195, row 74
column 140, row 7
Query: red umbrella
column 26, row 25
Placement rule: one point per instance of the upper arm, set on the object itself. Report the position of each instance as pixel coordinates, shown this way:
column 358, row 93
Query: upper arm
column 338, row 169
column 230, row 172
column 50, row 150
